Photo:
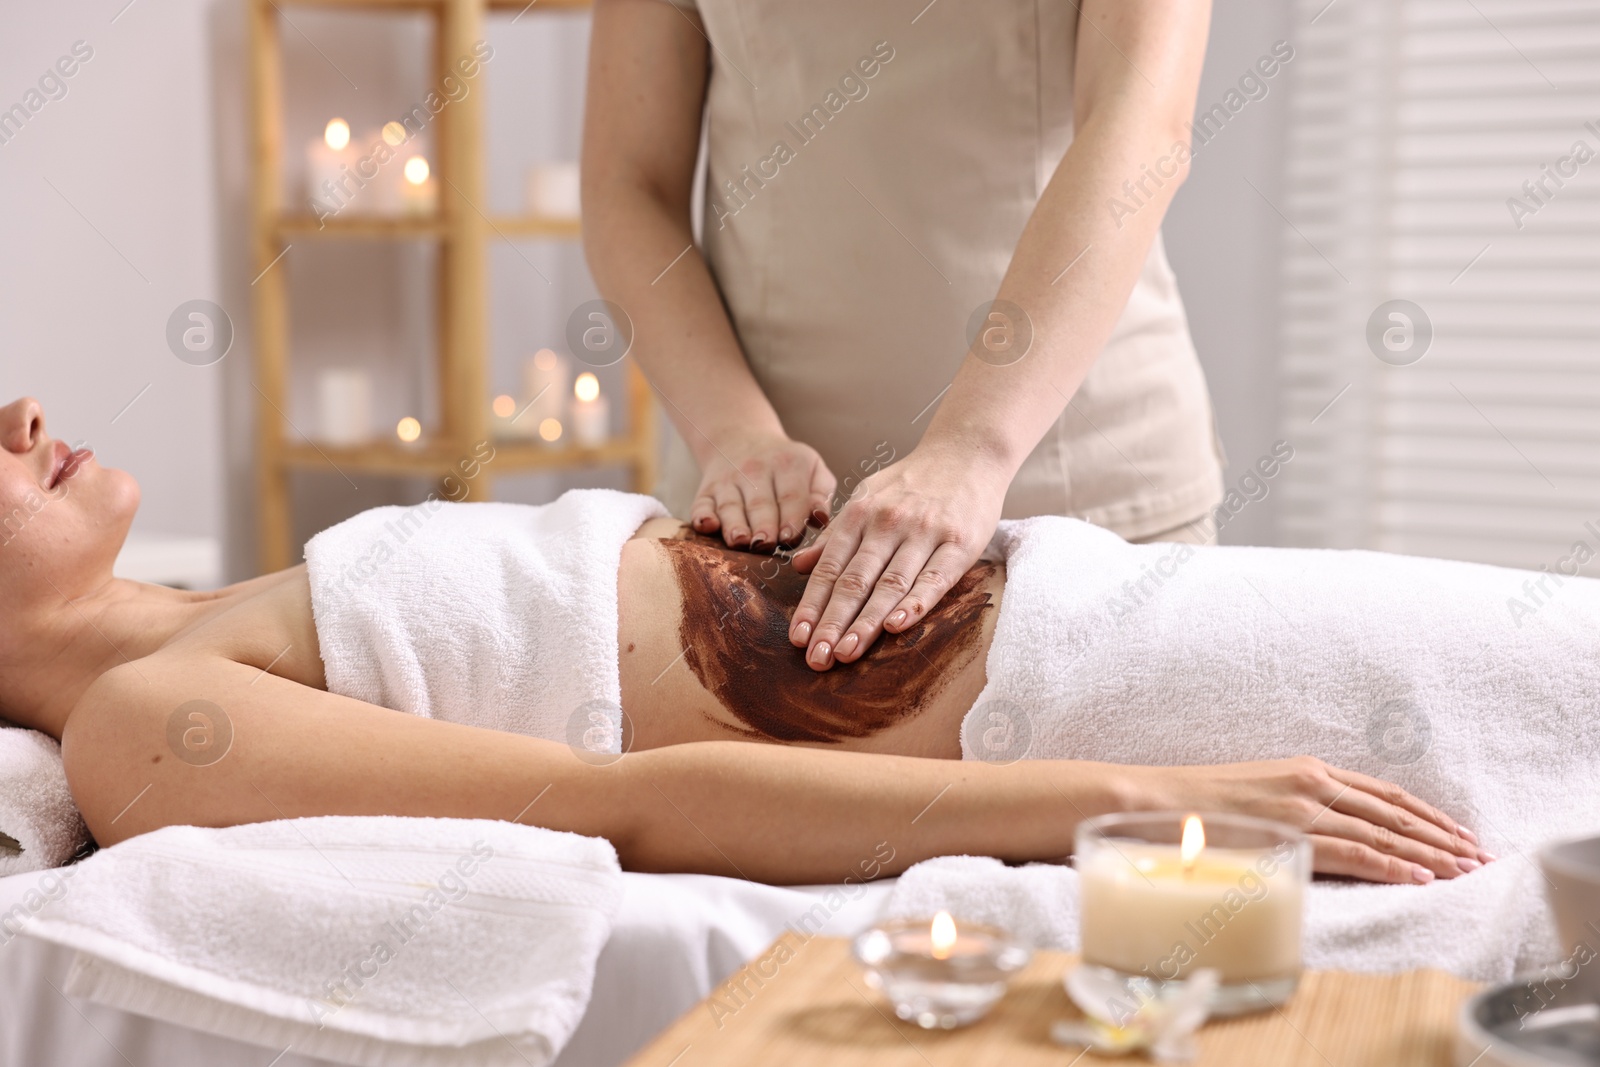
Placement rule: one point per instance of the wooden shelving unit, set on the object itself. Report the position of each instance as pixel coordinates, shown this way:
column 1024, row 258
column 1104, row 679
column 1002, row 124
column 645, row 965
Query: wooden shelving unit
column 463, row 230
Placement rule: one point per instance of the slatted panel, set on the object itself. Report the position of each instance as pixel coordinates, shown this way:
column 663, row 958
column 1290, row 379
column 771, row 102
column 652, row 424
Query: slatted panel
column 1412, row 122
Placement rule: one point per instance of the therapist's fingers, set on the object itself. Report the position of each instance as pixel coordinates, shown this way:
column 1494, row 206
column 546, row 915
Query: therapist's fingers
column 730, row 514
column 848, row 592
column 820, row 506
column 825, row 561
column 791, row 484
column 703, row 513
column 938, row 576
column 890, row 589
column 761, row 509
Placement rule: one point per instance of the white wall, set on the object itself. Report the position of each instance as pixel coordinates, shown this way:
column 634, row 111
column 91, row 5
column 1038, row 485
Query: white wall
column 108, row 197
column 1224, row 241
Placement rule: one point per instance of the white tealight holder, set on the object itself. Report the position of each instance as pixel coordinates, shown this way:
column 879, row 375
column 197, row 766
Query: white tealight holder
column 939, row 974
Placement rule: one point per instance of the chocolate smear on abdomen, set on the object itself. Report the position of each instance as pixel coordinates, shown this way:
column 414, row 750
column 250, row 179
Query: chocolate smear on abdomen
column 735, row 634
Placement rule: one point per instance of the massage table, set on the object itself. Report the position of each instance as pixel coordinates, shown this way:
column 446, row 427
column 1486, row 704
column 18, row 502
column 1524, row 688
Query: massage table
column 675, row 938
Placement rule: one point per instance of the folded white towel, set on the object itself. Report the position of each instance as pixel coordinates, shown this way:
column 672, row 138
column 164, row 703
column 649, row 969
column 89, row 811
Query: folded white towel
column 381, row 941
column 39, row 825
column 495, row 615
column 1471, row 686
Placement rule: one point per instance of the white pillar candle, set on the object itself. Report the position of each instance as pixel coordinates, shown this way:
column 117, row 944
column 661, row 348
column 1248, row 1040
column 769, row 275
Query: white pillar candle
column 554, row 190
column 546, row 383
column 419, row 192
column 591, row 413
column 1163, row 910
column 328, row 159
column 344, row 406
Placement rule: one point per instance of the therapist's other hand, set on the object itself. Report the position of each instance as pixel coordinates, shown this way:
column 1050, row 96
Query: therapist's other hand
column 905, row 537
column 760, row 490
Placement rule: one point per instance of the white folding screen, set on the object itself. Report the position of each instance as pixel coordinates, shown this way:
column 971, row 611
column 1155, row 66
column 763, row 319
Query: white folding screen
column 1444, row 153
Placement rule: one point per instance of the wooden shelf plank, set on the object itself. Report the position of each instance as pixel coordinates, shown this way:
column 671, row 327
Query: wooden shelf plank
column 434, row 458
column 544, row 5
column 537, row 226
column 362, row 227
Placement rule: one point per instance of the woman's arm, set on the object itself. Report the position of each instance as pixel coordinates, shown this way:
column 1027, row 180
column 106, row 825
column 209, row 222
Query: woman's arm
column 647, row 84
column 914, row 528
column 765, row 812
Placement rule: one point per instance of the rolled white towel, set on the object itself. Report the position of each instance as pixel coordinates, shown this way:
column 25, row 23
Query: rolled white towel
column 40, row 826
column 382, row 941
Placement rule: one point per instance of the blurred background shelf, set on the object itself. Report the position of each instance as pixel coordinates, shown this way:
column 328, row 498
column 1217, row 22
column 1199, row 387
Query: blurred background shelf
column 464, row 229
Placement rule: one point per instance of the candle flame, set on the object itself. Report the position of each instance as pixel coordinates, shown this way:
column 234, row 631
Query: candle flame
column 417, row 170
column 587, row 387
column 394, row 134
column 943, row 935
column 1194, row 839
column 336, row 134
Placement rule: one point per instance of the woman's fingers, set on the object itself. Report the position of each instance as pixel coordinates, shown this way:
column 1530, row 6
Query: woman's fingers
column 1397, row 796
column 703, row 513
column 1379, row 838
column 1377, row 805
column 1353, row 859
column 820, row 506
column 791, row 484
column 888, row 593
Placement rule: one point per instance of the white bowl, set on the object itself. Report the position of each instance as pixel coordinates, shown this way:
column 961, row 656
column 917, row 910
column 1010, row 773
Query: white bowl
column 1573, row 873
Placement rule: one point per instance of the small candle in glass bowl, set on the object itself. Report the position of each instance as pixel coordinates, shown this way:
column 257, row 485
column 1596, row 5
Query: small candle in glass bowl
column 1165, row 893
column 937, row 973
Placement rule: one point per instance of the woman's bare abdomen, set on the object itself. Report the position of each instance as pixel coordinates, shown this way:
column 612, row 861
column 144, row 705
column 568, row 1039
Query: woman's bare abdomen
column 705, row 655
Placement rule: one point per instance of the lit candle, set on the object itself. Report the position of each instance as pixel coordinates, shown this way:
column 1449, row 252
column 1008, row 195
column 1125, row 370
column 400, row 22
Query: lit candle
column 344, row 406
column 546, row 380
column 328, row 159
column 409, row 432
column 419, row 193
column 591, row 412
column 502, row 409
column 550, row 431
column 1153, row 907
column 937, row 974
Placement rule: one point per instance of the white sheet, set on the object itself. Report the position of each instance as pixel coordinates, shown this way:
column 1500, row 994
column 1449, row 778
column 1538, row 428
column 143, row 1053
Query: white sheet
column 675, row 938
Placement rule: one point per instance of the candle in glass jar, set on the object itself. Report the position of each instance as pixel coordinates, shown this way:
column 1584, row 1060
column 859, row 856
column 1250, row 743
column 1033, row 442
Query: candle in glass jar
column 591, row 412
column 1163, row 910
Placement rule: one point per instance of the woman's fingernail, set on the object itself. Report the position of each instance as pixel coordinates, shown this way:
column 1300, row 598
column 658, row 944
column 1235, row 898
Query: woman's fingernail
column 897, row 618
column 785, row 535
column 819, row 655
column 802, row 633
column 1467, row 866
column 848, row 645
column 757, row 543
column 1486, row 856
column 1421, row 873
column 819, row 518
column 1468, row 834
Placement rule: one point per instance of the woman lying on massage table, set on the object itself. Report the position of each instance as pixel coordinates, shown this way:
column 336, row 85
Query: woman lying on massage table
column 871, row 752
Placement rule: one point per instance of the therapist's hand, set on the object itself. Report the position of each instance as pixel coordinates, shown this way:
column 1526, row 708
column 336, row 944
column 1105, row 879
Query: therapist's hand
column 760, row 489
column 906, row 536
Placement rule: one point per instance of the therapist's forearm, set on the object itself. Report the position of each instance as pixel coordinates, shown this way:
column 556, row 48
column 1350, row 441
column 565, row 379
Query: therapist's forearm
column 682, row 336
column 1001, row 412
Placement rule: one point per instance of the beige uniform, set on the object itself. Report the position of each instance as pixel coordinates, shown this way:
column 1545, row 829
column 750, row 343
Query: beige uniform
column 871, row 166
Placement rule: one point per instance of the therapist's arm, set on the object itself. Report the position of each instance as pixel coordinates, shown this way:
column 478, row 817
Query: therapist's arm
column 647, row 86
column 914, row 528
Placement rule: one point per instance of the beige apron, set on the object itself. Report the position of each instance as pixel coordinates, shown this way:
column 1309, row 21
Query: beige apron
column 871, row 166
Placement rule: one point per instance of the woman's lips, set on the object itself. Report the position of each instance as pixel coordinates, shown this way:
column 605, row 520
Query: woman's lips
column 67, row 462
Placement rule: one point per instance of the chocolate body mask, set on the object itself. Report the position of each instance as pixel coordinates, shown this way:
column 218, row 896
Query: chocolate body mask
column 735, row 634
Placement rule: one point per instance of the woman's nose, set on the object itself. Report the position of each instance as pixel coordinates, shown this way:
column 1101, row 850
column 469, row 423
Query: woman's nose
column 21, row 425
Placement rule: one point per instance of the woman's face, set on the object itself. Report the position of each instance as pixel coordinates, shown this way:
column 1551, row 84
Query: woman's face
column 63, row 517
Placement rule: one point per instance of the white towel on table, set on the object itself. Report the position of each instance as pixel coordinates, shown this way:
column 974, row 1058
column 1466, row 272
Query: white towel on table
column 382, row 941
column 1418, row 671
column 502, row 616
column 40, row 826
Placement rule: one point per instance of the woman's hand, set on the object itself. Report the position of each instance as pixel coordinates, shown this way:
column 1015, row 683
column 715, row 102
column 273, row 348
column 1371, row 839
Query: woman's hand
column 907, row 534
column 1359, row 826
column 760, row 490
